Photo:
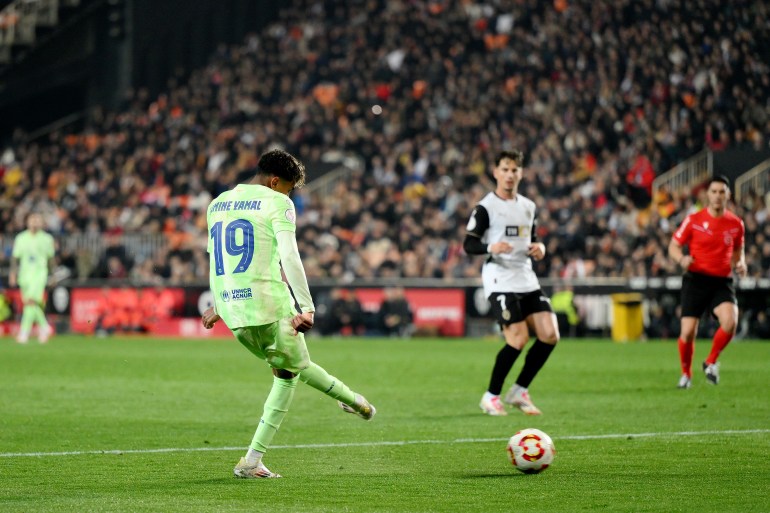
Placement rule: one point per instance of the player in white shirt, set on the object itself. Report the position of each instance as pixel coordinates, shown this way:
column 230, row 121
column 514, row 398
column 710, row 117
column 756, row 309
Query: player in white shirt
column 502, row 226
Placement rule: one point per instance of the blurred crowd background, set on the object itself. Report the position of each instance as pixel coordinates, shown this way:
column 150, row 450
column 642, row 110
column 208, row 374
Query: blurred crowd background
column 424, row 94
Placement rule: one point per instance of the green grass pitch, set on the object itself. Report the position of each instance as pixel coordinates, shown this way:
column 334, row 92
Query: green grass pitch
column 139, row 424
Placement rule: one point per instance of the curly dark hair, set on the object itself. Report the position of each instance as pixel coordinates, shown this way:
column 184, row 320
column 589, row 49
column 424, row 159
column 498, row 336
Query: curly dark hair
column 515, row 155
column 283, row 165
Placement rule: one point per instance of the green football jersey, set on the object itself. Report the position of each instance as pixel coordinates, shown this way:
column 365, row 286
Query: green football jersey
column 244, row 270
column 33, row 251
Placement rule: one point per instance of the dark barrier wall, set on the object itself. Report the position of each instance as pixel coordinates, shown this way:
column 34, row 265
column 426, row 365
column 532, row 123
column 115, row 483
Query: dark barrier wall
column 180, row 34
column 104, row 47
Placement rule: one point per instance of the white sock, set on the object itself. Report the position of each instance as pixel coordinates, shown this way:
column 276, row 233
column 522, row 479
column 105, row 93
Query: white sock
column 253, row 457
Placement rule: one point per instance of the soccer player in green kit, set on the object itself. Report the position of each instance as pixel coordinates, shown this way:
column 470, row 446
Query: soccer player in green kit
column 32, row 258
column 251, row 239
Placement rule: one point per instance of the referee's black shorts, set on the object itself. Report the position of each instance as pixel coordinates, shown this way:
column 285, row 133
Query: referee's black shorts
column 702, row 291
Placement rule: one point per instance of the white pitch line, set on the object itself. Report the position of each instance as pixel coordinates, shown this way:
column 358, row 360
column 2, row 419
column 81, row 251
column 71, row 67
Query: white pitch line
column 381, row 444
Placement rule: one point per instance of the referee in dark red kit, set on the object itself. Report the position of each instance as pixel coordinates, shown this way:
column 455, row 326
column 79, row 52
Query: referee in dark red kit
column 714, row 236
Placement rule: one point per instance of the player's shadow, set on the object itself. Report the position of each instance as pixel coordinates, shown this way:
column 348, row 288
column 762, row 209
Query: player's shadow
column 486, row 475
column 227, row 480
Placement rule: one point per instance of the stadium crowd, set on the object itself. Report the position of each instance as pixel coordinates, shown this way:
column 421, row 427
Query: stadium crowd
column 426, row 93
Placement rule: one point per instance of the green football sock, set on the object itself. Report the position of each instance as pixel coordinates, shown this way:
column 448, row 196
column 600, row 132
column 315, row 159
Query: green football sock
column 276, row 406
column 318, row 378
column 28, row 316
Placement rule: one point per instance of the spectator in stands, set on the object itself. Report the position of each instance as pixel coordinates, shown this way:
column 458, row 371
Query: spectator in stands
column 346, row 316
column 396, row 317
column 115, row 262
column 761, row 325
column 639, row 178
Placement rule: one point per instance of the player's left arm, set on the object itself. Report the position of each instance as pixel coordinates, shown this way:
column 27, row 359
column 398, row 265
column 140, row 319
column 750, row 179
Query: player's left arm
column 14, row 272
column 739, row 255
column 536, row 249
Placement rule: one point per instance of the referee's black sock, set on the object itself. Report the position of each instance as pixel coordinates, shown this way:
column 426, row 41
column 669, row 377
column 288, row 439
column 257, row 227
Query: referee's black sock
column 536, row 357
column 503, row 363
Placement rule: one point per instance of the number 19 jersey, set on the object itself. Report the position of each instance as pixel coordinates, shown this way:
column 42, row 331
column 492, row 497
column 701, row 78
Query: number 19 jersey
column 244, row 271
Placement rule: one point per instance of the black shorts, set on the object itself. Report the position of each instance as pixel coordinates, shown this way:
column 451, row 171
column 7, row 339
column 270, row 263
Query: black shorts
column 701, row 292
column 511, row 307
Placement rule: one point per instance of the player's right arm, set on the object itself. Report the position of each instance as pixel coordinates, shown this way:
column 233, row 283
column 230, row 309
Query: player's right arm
column 676, row 246
column 739, row 252
column 15, row 261
column 14, row 272
column 478, row 224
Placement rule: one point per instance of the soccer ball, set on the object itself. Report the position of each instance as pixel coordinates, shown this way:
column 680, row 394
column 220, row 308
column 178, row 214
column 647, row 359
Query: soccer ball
column 531, row 451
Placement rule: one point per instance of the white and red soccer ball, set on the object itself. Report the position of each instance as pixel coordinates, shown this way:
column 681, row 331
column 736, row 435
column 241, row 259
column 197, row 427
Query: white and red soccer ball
column 531, row 451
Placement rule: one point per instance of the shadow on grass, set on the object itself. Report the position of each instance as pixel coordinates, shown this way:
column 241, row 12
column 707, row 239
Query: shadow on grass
column 486, row 475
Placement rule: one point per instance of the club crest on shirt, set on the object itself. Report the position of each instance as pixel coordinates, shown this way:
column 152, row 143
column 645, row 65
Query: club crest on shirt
column 728, row 239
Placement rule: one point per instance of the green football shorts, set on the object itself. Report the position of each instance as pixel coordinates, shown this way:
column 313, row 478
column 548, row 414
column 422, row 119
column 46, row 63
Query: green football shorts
column 32, row 288
column 277, row 344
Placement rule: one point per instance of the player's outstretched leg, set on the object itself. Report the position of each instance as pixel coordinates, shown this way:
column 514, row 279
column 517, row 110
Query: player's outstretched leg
column 361, row 407
column 317, row 377
column 276, row 406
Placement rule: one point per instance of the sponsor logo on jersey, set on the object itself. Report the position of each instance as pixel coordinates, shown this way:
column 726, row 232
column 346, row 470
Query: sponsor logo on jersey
column 236, row 294
column 517, row 231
